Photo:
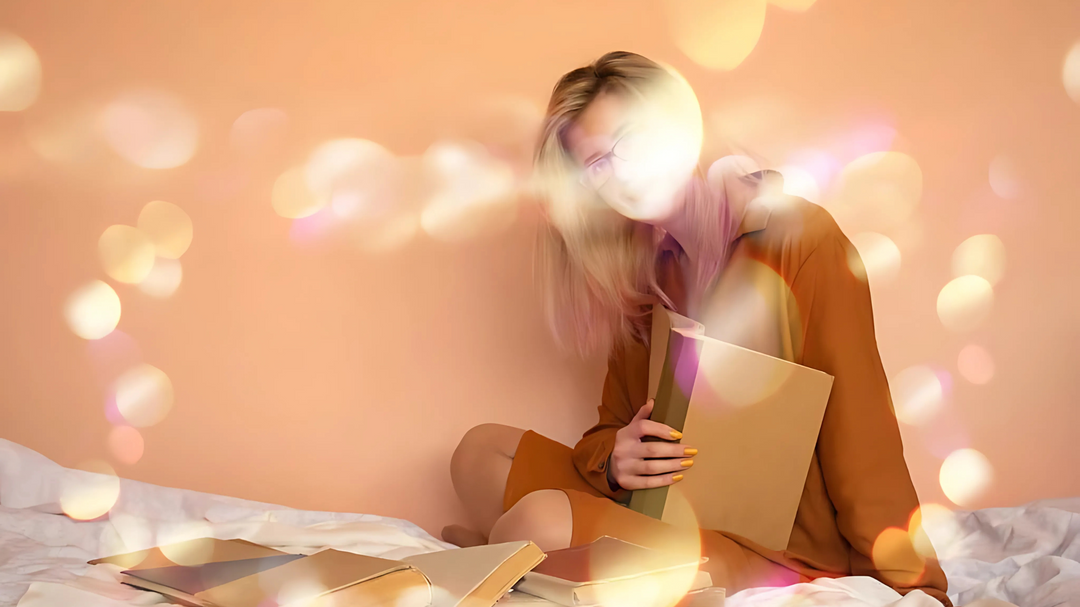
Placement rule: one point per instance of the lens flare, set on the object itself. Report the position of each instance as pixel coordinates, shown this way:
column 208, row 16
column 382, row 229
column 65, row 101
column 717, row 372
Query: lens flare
column 895, row 556
column 877, row 191
column 259, row 130
column 800, row 182
column 474, row 193
column 150, row 129
column 127, row 254
column 965, row 303
column 975, row 364
column 917, row 394
column 876, row 258
column 164, row 278
column 934, row 531
column 20, row 73
column 388, row 234
column 89, row 491
column 982, row 255
column 126, row 444
column 144, row 395
column 716, row 34
column 292, row 198
column 1070, row 73
column 965, row 476
column 93, row 310
column 167, row 226
column 353, row 165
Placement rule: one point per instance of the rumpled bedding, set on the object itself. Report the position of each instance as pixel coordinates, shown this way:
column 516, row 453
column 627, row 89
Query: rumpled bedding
column 1028, row 556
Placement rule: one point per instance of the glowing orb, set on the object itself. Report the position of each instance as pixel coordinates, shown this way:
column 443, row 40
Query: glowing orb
column 150, row 129
column 917, row 394
column 965, row 303
column 144, row 395
column 965, row 476
column 93, row 311
column 164, row 278
column 89, row 491
column 879, row 257
column 167, row 226
column 982, row 255
column 126, row 444
column 127, row 255
column 975, row 364
column 20, row 73
column 716, row 34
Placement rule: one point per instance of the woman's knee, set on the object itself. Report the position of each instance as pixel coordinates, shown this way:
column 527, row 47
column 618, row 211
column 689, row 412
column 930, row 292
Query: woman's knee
column 543, row 517
column 480, row 444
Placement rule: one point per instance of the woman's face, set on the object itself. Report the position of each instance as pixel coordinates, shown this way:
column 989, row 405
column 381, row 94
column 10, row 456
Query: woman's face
column 634, row 156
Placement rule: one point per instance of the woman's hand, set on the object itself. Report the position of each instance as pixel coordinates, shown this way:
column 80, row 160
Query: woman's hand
column 632, row 465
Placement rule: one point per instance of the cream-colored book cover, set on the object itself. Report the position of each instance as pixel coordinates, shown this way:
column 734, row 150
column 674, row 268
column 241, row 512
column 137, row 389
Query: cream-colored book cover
column 755, row 420
column 478, row 576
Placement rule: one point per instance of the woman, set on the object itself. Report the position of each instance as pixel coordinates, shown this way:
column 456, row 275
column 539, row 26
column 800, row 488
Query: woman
column 632, row 221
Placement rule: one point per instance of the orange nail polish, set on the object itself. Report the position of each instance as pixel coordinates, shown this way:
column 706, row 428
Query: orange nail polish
column 686, row 463
column 690, row 451
column 675, row 434
column 677, row 478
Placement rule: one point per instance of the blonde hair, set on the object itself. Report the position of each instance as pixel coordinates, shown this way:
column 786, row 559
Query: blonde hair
column 597, row 269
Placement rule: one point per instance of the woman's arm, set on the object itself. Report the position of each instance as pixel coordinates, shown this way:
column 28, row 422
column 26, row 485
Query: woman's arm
column 860, row 450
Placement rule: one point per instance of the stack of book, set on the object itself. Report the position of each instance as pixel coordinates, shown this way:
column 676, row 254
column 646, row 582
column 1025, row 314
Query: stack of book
column 238, row 573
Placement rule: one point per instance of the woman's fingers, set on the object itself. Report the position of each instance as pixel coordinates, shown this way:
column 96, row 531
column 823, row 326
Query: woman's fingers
column 634, row 483
column 649, row 467
column 663, row 449
column 651, row 428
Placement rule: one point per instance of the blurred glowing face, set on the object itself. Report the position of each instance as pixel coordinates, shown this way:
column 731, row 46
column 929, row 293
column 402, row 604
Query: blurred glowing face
column 631, row 155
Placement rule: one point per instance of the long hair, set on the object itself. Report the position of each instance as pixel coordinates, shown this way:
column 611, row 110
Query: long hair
column 597, row 269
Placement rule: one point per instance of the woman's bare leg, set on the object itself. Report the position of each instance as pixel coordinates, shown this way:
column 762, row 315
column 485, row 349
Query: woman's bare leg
column 479, row 469
column 543, row 517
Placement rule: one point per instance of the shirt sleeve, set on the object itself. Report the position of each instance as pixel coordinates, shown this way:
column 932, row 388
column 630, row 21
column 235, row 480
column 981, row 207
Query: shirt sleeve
column 859, row 448
column 625, row 389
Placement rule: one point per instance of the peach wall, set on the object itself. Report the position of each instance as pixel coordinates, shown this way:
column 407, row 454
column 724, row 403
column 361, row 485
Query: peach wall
column 322, row 377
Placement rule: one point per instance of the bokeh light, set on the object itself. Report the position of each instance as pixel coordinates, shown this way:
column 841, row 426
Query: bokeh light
column 167, row 226
column 965, row 303
column 800, row 182
column 258, row 131
column 187, row 542
column 127, row 254
column 965, row 476
column 150, row 129
column 126, row 444
column 917, row 394
column 716, row 34
column 793, row 5
column 934, row 530
column 388, row 234
column 1070, row 73
column 112, row 355
column 359, row 166
column 878, row 259
column 1004, row 177
column 144, row 395
column 164, row 278
column 474, row 192
column 20, row 73
column 982, row 255
column 292, row 198
column 89, row 491
column 93, row 310
column 895, row 556
column 975, row 364
column 877, row 191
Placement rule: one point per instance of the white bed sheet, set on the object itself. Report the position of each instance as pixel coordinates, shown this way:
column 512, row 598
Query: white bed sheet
column 1029, row 556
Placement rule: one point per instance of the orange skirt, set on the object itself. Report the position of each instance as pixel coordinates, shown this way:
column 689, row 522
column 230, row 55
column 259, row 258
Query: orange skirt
column 541, row 463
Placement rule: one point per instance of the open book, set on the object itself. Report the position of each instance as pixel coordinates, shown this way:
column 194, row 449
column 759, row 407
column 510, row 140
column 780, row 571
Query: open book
column 755, row 420
column 610, row 571
column 237, row 573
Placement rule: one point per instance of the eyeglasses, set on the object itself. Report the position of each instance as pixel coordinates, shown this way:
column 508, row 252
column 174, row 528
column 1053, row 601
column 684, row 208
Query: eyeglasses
column 599, row 171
